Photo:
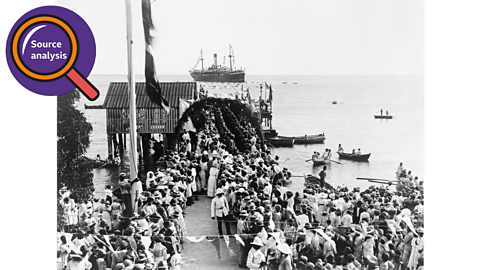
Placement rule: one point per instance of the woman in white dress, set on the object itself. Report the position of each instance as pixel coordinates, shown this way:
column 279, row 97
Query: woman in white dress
column 212, row 180
column 203, row 173
column 68, row 211
column 417, row 249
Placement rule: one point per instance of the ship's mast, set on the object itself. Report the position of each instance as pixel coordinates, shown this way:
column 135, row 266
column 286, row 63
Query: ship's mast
column 230, row 55
column 201, row 57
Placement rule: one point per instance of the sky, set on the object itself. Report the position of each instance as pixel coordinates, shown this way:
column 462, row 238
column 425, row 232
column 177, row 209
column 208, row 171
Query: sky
column 336, row 37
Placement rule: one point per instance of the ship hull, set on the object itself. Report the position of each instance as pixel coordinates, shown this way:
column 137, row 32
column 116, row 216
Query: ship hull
column 217, row 77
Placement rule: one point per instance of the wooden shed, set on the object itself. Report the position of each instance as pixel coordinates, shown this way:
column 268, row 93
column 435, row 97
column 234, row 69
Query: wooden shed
column 151, row 119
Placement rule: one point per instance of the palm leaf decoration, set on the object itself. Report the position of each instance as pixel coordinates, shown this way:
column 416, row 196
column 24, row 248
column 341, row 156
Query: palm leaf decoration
column 235, row 114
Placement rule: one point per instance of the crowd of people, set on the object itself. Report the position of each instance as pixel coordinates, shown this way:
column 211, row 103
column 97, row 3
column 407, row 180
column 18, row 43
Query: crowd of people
column 320, row 227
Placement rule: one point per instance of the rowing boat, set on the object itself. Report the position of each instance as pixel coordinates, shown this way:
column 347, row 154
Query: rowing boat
column 363, row 157
column 383, row 116
column 309, row 139
column 311, row 180
column 102, row 164
column 280, row 142
column 319, row 162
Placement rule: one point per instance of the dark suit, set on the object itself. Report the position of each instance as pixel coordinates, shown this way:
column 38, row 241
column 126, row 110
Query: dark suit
column 356, row 214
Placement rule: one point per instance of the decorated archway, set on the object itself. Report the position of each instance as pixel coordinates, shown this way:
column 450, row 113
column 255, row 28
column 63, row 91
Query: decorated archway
column 234, row 121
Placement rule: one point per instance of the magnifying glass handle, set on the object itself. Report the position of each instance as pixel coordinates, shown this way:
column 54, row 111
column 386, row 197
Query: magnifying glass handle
column 82, row 84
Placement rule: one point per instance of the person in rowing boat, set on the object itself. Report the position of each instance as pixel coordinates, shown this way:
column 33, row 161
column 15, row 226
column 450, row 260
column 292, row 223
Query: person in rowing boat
column 98, row 158
column 359, row 152
column 117, row 160
column 400, row 169
column 381, row 112
column 109, row 159
column 353, row 152
column 386, row 112
column 340, row 148
column 329, row 155
column 325, row 154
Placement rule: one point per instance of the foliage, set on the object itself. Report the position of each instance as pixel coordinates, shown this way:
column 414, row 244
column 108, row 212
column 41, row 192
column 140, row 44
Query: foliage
column 74, row 170
column 60, row 217
column 243, row 114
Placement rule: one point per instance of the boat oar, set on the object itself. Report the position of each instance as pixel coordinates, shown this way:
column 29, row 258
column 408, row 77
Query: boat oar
column 102, row 166
column 335, row 161
column 378, row 179
column 308, row 160
column 380, row 182
column 297, row 176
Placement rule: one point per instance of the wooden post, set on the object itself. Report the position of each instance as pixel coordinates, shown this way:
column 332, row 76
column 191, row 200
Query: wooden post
column 109, row 141
column 120, row 144
column 124, row 140
column 115, row 142
column 165, row 143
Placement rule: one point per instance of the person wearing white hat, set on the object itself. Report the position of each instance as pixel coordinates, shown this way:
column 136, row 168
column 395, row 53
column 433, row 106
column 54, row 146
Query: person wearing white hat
column 285, row 259
column 150, row 182
column 256, row 259
column 220, row 209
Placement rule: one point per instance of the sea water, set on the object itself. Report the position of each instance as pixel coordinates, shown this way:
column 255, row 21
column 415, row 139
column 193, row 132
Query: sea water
column 304, row 105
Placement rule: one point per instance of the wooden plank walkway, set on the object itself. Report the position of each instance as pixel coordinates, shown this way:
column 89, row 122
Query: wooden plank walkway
column 206, row 254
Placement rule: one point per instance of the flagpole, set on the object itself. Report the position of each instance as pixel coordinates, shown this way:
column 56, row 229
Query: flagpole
column 131, row 94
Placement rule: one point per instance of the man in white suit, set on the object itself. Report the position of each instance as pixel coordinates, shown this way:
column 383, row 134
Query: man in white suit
column 220, row 209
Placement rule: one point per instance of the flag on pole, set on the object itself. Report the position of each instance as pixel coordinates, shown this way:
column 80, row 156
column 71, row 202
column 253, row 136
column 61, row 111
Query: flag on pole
column 153, row 88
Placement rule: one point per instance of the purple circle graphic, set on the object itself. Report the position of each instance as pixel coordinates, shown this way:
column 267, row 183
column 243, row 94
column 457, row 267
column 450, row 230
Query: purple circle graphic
column 52, row 44
column 44, row 48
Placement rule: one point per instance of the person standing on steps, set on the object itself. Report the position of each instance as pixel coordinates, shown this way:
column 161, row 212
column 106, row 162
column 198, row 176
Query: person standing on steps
column 322, row 175
column 219, row 209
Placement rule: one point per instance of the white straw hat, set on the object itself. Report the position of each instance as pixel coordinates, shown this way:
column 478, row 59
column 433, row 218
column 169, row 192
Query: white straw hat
column 284, row 248
column 257, row 241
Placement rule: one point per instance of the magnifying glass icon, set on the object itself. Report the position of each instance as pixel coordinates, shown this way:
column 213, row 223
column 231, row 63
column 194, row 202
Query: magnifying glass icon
column 67, row 70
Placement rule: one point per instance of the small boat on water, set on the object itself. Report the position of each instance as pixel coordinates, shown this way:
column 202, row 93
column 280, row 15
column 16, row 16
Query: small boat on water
column 363, row 157
column 383, row 116
column 319, row 162
column 93, row 106
column 308, row 139
column 334, row 102
column 103, row 164
column 311, row 180
column 280, row 142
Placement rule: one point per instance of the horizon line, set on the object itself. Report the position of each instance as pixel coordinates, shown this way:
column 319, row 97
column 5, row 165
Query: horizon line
column 391, row 75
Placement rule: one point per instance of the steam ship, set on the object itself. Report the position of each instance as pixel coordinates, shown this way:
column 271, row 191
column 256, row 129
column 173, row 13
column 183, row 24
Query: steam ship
column 218, row 73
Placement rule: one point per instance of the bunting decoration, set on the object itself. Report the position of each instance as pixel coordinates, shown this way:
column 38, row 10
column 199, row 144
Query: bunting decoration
column 231, row 253
column 153, row 88
column 237, row 237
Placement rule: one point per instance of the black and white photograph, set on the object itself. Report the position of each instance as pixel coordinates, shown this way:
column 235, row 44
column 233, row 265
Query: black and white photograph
column 246, row 135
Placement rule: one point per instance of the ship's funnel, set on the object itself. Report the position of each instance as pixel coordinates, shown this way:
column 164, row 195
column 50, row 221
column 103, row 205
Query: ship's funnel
column 215, row 59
